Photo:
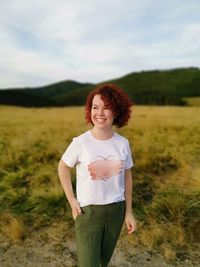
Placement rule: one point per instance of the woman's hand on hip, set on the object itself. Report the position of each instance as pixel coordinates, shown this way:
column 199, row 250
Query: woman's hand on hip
column 76, row 209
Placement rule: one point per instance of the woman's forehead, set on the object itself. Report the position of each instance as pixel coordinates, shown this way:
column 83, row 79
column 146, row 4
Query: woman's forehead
column 97, row 100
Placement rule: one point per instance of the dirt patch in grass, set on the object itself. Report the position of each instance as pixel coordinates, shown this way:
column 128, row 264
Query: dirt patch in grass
column 45, row 248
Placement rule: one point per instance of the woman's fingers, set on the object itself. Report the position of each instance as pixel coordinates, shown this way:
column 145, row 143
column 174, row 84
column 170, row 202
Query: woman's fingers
column 79, row 209
column 76, row 209
column 130, row 223
column 130, row 228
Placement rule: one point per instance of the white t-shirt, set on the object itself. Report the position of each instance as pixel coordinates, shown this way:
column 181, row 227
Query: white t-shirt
column 100, row 166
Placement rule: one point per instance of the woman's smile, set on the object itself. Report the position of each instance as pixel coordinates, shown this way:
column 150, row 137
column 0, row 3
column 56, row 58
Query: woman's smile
column 101, row 119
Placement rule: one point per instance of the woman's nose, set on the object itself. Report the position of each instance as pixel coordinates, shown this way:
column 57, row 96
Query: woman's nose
column 101, row 112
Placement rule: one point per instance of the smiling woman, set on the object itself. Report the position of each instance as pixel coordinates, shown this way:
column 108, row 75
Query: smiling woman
column 101, row 115
column 104, row 182
column 113, row 99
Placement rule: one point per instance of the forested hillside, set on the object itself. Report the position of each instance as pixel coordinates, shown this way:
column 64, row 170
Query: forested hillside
column 166, row 87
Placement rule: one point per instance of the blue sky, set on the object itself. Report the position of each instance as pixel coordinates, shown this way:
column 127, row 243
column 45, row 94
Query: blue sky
column 43, row 42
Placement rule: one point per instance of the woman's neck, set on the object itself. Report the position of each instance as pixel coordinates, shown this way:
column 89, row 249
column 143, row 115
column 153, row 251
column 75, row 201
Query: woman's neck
column 102, row 134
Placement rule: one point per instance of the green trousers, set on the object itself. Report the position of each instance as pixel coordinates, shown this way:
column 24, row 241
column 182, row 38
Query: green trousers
column 97, row 232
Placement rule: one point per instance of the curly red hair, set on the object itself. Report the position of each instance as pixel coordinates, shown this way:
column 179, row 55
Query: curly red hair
column 114, row 97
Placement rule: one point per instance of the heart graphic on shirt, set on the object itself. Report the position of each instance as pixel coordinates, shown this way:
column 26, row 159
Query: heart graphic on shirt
column 102, row 168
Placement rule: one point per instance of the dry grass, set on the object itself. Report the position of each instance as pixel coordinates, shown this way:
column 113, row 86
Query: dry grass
column 165, row 143
column 152, row 236
column 168, row 253
column 13, row 227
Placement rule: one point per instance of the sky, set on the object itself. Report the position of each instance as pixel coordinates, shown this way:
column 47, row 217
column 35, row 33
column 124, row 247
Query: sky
column 43, row 42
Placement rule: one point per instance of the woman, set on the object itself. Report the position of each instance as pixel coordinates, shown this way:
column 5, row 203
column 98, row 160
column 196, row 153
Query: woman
column 104, row 182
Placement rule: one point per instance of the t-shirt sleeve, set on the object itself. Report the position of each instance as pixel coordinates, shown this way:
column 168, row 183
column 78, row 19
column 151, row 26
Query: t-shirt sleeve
column 129, row 160
column 71, row 155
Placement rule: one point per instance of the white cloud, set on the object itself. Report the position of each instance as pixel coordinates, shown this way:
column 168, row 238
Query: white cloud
column 47, row 41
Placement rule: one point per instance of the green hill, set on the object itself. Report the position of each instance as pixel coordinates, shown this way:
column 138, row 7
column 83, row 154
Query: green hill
column 50, row 95
column 162, row 87
column 158, row 87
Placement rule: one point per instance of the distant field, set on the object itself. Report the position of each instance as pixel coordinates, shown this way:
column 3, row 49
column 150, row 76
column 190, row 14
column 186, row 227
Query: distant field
column 165, row 142
column 192, row 101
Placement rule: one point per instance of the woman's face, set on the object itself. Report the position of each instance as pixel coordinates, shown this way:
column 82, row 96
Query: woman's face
column 101, row 115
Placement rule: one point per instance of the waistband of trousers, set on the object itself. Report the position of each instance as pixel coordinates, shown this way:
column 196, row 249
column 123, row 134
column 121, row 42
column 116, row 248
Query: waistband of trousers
column 97, row 206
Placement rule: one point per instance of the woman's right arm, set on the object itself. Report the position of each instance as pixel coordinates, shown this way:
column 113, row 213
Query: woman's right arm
column 65, row 179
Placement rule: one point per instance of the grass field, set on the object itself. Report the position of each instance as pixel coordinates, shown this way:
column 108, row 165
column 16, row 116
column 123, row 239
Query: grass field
column 192, row 101
column 165, row 143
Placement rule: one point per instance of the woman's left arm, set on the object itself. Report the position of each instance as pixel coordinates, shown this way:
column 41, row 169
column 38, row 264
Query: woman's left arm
column 129, row 218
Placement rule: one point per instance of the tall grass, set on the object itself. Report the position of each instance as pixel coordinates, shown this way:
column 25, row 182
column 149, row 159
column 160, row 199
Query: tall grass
column 165, row 143
column 12, row 226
